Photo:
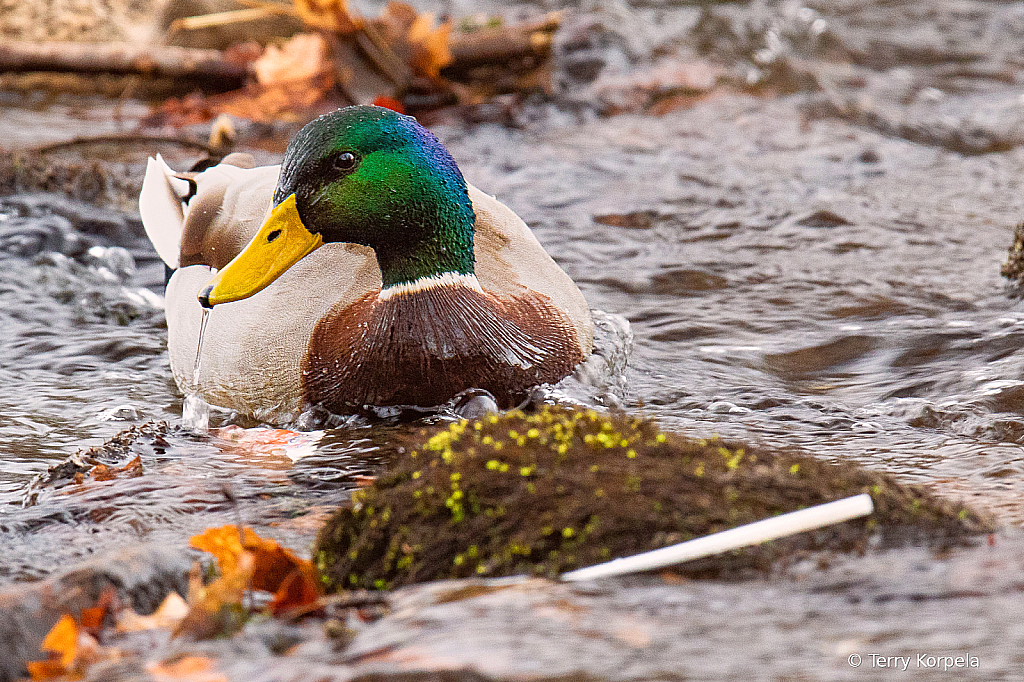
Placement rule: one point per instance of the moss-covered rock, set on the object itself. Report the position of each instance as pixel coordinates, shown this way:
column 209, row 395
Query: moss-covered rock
column 1013, row 268
column 559, row 489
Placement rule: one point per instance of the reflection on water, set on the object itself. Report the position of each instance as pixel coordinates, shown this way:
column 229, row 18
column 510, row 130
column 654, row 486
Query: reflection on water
column 831, row 284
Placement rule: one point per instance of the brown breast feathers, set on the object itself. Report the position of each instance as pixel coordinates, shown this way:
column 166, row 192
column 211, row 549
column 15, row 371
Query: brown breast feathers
column 423, row 348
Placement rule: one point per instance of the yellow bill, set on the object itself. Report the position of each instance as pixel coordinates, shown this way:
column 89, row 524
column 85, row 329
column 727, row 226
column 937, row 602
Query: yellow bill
column 281, row 243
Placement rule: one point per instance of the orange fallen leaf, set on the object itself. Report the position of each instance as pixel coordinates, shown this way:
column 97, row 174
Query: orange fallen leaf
column 62, row 639
column 271, row 562
column 67, row 655
column 132, row 468
column 430, row 45
column 170, row 612
column 303, row 56
column 72, row 645
column 102, row 472
column 70, row 650
column 216, row 609
column 274, row 564
column 266, row 448
column 93, row 618
column 246, row 561
column 186, row 669
column 45, row 670
column 284, row 101
column 224, row 543
column 415, row 38
column 300, row 588
column 328, row 15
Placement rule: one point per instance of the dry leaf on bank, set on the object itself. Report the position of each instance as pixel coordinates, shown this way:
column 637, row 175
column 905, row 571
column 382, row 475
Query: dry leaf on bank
column 299, row 79
column 430, row 45
column 70, row 650
column 415, row 39
column 328, row 15
column 247, row 562
column 177, row 113
column 94, row 618
column 281, row 102
column 130, row 470
column 303, row 56
column 61, row 643
column 186, row 669
column 291, row 79
column 216, row 609
column 167, row 616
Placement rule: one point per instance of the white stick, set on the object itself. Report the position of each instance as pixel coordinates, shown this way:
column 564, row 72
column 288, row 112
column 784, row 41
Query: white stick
column 734, row 538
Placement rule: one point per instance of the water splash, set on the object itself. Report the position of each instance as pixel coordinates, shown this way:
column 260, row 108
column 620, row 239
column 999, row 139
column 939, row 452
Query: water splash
column 195, row 412
column 601, row 379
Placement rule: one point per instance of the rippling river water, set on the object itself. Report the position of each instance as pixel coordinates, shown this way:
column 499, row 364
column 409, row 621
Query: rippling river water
column 817, row 269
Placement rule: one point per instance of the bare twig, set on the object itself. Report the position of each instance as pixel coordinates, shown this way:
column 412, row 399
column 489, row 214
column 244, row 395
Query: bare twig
column 344, row 600
column 151, row 60
column 234, row 16
column 124, row 139
column 378, row 51
column 502, row 44
column 517, row 47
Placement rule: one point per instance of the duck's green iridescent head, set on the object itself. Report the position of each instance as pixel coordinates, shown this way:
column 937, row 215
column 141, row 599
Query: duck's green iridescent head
column 365, row 175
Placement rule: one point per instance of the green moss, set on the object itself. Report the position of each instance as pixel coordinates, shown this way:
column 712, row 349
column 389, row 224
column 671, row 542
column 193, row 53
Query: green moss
column 558, row 489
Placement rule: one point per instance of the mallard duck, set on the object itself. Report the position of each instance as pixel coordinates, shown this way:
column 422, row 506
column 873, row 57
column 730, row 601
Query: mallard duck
column 362, row 271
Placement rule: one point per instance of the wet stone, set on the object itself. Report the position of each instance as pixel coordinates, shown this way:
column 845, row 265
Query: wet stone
column 141, row 575
column 806, row 623
column 23, row 238
column 823, row 218
column 807, row 362
column 639, row 220
column 113, row 227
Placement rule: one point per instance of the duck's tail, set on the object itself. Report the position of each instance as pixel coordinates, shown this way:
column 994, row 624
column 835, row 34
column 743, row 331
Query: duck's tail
column 162, row 204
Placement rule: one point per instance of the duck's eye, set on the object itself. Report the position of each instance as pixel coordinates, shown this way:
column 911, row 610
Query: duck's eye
column 345, row 161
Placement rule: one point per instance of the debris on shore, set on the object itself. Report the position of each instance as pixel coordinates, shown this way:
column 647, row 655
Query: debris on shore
column 321, row 56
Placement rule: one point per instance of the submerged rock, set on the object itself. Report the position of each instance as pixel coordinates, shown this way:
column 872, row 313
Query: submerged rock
column 549, row 492
column 119, row 456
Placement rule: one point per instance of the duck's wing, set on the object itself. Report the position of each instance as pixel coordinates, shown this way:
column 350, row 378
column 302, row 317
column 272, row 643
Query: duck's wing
column 205, row 218
column 162, row 205
column 510, row 260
